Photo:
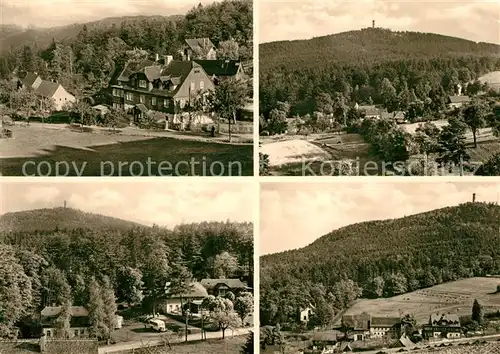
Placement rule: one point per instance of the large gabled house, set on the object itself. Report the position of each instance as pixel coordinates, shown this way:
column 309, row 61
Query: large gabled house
column 442, row 325
column 368, row 111
column 199, row 48
column 457, row 101
column 357, row 326
column 381, row 327
column 220, row 287
column 364, row 326
column 193, row 297
column 79, row 322
column 46, row 89
column 167, row 86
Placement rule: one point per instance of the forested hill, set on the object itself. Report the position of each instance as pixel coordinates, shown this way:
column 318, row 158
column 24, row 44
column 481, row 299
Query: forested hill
column 352, row 66
column 71, row 253
column 369, row 44
column 59, row 219
column 384, row 258
column 15, row 36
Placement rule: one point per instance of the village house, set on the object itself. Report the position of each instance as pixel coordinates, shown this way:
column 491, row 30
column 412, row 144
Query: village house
column 168, row 87
column 46, row 89
column 194, row 297
column 370, row 111
column 457, row 101
column 220, row 287
column 381, row 327
column 325, row 342
column 306, row 313
column 357, row 326
column 364, row 326
column 79, row 320
column 442, row 326
column 199, row 48
column 397, row 116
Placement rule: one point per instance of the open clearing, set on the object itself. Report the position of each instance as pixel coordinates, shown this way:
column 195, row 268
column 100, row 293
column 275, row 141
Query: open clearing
column 179, row 155
column 492, row 78
column 228, row 345
column 293, row 151
column 454, row 297
column 321, row 153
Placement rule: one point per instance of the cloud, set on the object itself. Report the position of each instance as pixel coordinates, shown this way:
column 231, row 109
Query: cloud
column 294, row 215
column 312, row 18
column 41, row 194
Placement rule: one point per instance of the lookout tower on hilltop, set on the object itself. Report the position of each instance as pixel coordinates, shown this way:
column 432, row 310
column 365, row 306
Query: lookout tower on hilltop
column 373, row 23
column 473, row 197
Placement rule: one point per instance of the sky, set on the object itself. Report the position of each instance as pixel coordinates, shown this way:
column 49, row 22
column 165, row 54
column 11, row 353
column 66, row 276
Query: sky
column 287, row 20
column 50, row 13
column 164, row 203
column 293, row 215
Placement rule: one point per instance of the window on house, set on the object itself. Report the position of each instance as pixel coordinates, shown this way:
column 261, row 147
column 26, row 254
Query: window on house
column 193, row 86
column 141, row 98
column 76, row 333
column 202, row 85
column 153, row 101
column 128, row 96
column 166, row 103
column 49, row 333
column 142, row 83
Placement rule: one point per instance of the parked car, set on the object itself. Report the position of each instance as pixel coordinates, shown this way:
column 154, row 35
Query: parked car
column 157, row 325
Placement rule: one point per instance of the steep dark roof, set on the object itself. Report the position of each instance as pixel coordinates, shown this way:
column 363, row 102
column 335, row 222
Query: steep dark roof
column 198, row 44
column 385, row 321
column 29, row 79
column 326, row 336
column 133, row 67
column 47, row 89
column 459, row 99
column 220, row 67
column 232, row 283
column 176, row 72
column 369, row 110
column 450, row 320
column 357, row 322
column 76, row 311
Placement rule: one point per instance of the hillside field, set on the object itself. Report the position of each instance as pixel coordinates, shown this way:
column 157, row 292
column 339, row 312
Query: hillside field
column 454, row 297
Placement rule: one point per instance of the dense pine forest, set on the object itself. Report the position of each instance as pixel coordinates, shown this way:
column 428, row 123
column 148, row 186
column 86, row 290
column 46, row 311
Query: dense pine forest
column 358, row 66
column 55, row 256
column 380, row 259
column 80, row 56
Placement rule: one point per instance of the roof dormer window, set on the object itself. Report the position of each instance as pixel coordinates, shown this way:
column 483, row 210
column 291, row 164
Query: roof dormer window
column 143, row 83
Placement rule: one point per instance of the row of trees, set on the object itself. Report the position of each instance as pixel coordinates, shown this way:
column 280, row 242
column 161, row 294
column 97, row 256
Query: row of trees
column 88, row 268
column 380, row 259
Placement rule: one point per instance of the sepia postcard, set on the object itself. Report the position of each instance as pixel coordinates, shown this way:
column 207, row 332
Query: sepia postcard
column 170, row 273
column 126, row 88
column 380, row 267
column 379, row 88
